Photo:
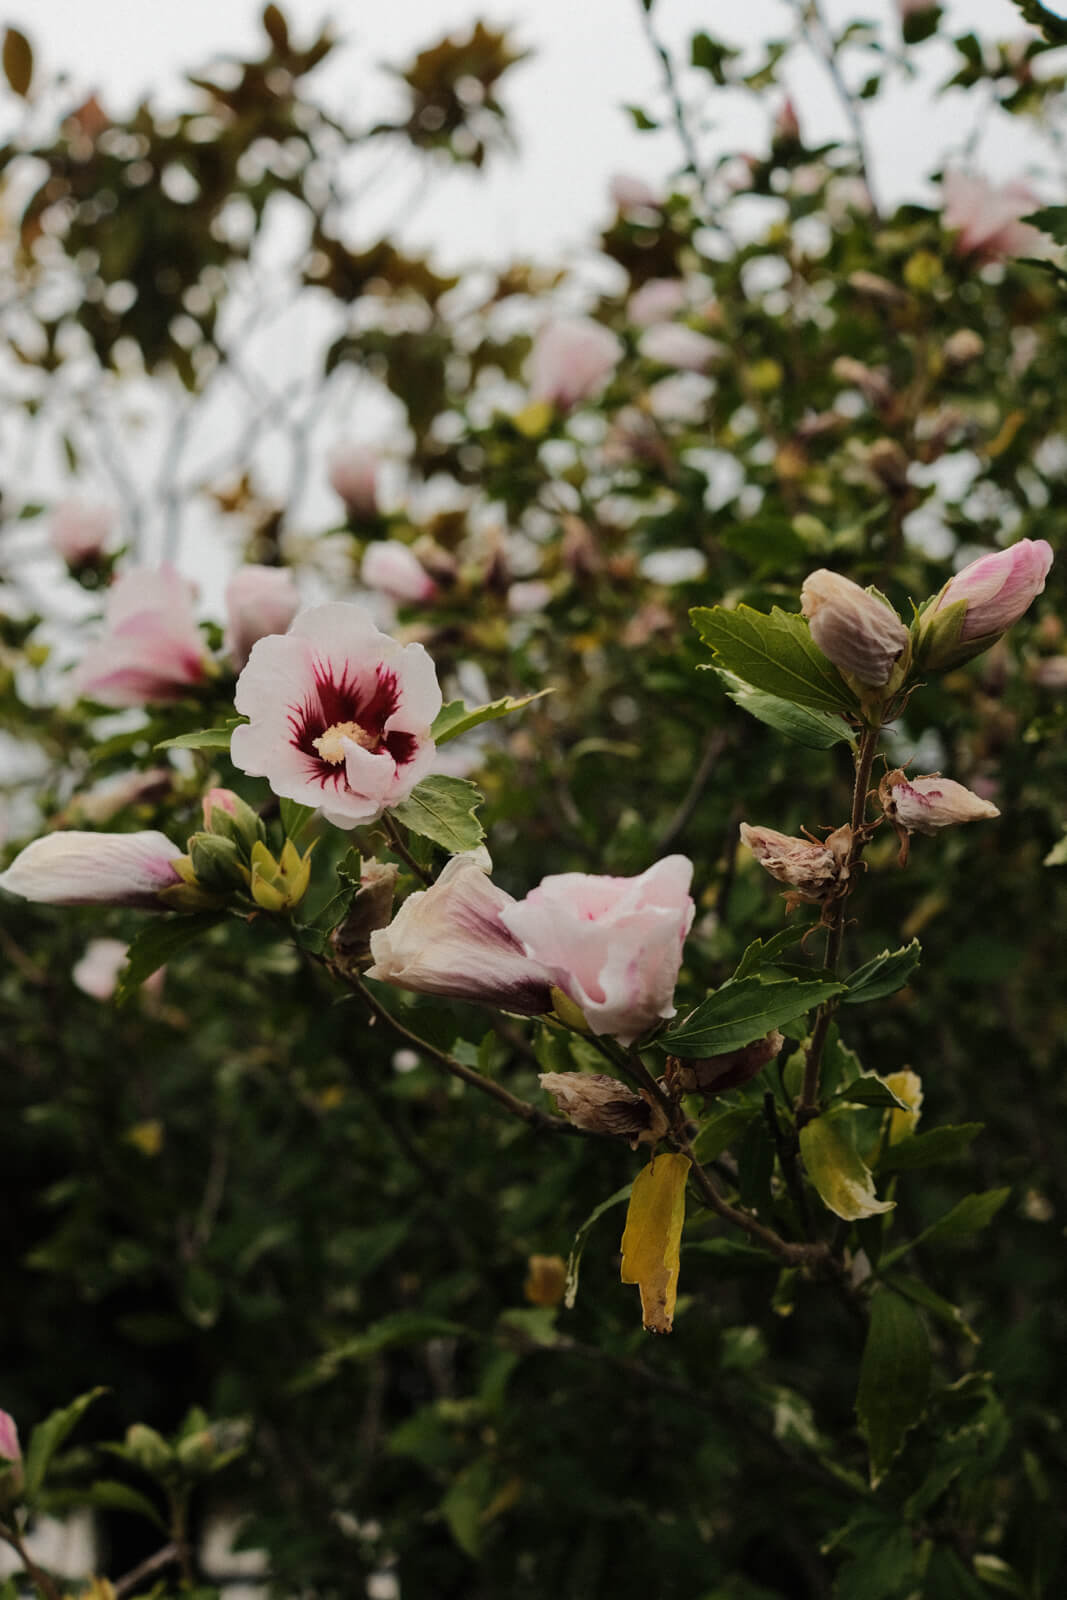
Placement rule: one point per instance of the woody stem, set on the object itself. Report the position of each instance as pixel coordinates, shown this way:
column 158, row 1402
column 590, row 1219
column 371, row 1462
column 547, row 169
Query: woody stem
column 809, row 1096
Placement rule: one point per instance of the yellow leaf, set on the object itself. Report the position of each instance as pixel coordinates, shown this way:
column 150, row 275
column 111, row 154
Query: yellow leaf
column 534, row 419
column 839, row 1172
column 652, row 1238
column 907, row 1086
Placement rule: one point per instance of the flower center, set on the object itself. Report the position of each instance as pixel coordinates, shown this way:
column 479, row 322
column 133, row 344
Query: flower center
column 331, row 744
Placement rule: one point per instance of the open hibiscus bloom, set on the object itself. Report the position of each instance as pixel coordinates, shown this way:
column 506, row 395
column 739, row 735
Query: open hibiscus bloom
column 151, row 648
column 339, row 715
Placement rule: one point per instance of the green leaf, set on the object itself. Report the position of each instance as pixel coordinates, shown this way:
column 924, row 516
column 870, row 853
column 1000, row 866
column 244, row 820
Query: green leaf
column 456, row 718
column 399, row 1328
column 18, row 61
column 202, row 739
column 738, row 1013
column 574, row 1260
column 158, row 943
column 295, row 817
column 1052, row 26
column 775, row 653
column 968, row 1216
column 817, row 730
column 642, row 121
column 711, row 55
column 870, row 1090
column 762, row 953
column 936, row 1304
column 839, row 1172
column 883, row 974
column 108, row 1495
column 1051, row 220
column 48, row 1435
column 929, row 1149
column 443, row 809
column 723, row 1128
column 1057, row 856
column 894, row 1378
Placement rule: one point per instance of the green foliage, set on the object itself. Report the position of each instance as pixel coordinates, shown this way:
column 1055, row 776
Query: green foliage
column 774, row 653
column 443, row 809
column 894, row 1378
column 742, row 1011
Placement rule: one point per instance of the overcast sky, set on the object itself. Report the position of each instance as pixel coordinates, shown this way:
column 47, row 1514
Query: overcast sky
column 589, row 59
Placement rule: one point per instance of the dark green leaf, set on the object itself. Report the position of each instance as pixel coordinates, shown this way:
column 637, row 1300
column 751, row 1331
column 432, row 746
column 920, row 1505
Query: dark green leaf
column 928, row 1149
column 722, row 1129
column 763, row 953
column 894, row 1378
column 158, row 943
column 202, row 739
column 775, row 653
column 574, row 1260
column 456, row 718
column 883, row 974
column 1054, row 27
column 443, row 809
column 738, row 1013
column 48, row 1435
column 936, row 1304
column 107, row 1495
column 817, row 730
column 642, row 121
column 967, row 1217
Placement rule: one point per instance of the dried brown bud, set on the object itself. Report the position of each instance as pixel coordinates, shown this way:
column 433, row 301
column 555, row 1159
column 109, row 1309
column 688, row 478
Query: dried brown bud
column 809, row 867
column 714, row 1074
column 874, row 386
column 546, row 1280
column 371, row 908
column 879, row 289
column 599, row 1104
column 889, row 463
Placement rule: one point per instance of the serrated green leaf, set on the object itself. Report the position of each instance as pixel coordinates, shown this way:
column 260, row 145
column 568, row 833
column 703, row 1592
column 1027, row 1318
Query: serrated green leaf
column 838, row 1171
column 456, row 718
column 443, row 809
column 763, row 953
column 158, row 943
column 929, row 1149
column 816, row 730
column 574, row 1260
column 738, row 1013
column 894, row 1378
column 48, row 1435
column 1052, row 26
column 775, row 653
column 967, row 1217
column 202, row 739
column 870, row 1090
column 883, row 975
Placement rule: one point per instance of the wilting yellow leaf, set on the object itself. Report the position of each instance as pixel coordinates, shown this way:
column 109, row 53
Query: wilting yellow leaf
column 907, row 1086
column 837, row 1170
column 652, row 1238
column 146, row 1136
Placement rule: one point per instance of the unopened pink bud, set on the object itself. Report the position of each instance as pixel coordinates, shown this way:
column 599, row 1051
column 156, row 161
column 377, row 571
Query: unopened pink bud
column 84, row 869
column 224, row 799
column 259, row 601
column 571, row 361
column 353, row 474
column 395, row 570
column 924, row 805
column 861, row 635
column 9, row 1439
column 987, row 215
column 80, row 533
column 998, row 588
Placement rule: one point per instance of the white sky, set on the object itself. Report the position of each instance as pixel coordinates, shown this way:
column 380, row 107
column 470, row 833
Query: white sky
column 590, row 59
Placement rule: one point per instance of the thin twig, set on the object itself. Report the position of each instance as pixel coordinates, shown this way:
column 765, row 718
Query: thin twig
column 678, row 823
column 396, row 840
column 162, row 1558
column 822, row 43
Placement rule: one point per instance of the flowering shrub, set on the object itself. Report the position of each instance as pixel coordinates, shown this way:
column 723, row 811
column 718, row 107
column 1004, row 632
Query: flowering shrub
column 465, row 1007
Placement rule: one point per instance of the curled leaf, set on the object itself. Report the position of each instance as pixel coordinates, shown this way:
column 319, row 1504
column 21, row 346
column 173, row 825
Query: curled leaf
column 651, row 1240
column 837, row 1170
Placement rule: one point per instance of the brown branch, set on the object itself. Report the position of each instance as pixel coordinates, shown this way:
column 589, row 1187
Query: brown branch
column 162, row 1558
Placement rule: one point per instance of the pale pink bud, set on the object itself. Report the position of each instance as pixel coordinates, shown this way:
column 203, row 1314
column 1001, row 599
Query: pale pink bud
column 923, row 805
column 1051, row 673
column 655, row 301
column 259, row 601
column 962, row 347
column 810, row 867
column 224, row 799
column 80, row 533
column 786, row 123
column 998, row 588
column 631, row 194
column 987, row 217
column 97, row 972
column 450, row 940
column 597, row 1103
column 81, row 869
column 862, row 636
column 353, row 474
column 151, row 649
column 571, row 361
column 99, row 805
column 9, row 1439
column 532, row 594
column 672, row 344
column 393, row 569
column 613, row 945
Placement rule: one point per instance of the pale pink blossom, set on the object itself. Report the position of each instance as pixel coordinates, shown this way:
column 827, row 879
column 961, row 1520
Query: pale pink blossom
column 631, row 194
column 340, row 714
column 923, row 805
column 998, row 588
column 395, row 570
column 9, row 1438
column 613, row 945
column 97, row 972
column 151, row 649
column 682, row 398
column 81, row 533
column 1051, row 673
column 259, row 601
column 102, row 803
column 531, row 594
column 987, row 217
column 860, row 634
column 656, row 301
column 672, row 344
column 353, row 474
column 571, row 360
column 786, row 123
column 82, row 869
column 450, row 940
column 220, row 799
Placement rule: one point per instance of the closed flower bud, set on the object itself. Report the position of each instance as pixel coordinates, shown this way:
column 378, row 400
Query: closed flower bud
column 715, row 1074
column 82, row 869
column 371, row 908
column 9, row 1439
column 279, row 885
column 807, row 866
column 926, row 804
column 81, row 533
column 546, row 1280
column 981, row 602
column 353, row 474
column 860, row 634
column 259, row 601
column 217, row 863
column 962, row 347
column 571, row 361
column 395, row 570
column 227, row 815
column 597, row 1103
column 10, row 1461
column 872, row 287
